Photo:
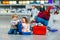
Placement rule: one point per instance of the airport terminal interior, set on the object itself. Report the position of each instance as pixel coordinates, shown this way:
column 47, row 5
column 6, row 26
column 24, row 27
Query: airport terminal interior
column 23, row 8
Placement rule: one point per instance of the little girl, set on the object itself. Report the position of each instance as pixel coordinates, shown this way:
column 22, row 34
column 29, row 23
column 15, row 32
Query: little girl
column 14, row 22
column 25, row 24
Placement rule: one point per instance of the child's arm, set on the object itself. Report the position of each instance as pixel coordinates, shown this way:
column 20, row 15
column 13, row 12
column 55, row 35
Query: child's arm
column 37, row 11
column 13, row 23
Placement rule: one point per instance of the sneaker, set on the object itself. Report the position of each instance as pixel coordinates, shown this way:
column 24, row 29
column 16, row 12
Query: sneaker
column 53, row 30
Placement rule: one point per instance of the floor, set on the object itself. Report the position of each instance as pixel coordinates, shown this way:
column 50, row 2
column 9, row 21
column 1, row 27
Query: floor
column 50, row 35
column 5, row 36
column 4, row 20
column 54, row 35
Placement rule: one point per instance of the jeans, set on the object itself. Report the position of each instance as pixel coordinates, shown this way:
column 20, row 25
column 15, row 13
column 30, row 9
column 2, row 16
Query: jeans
column 19, row 27
column 12, row 31
column 41, row 20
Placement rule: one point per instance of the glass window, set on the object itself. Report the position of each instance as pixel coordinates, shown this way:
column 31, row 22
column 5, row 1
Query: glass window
column 46, row 1
column 24, row 2
column 5, row 2
column 27, row 2
column 42, row 1
column 12, row 2
column 20, row 2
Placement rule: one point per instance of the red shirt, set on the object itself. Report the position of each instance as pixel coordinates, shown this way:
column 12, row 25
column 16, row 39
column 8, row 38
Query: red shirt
column 45, row 14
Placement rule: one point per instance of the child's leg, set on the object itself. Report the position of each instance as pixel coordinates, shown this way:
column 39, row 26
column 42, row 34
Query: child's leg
column 10, row 31
column 43, row 21
column 19, row 27
column 37, row 19
column 15, row 31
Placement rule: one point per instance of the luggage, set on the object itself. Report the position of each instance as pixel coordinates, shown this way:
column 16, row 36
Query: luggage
column 39, row 30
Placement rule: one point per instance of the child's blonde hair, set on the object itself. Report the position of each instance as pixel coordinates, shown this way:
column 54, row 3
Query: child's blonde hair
column 14, row 15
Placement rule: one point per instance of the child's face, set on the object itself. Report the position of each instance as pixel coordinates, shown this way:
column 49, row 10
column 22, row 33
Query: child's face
column 15, row 18
column 33, row 7
column 23, row 20
column 41, row 6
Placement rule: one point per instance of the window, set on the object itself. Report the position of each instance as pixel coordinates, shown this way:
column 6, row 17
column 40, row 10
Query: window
column 25, row 2
column 12, row 2
column 42, row 1
column 5, row 2
column 46, row 1
column 20, row 2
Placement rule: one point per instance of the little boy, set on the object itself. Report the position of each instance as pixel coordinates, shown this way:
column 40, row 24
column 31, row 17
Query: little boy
column 14, row 22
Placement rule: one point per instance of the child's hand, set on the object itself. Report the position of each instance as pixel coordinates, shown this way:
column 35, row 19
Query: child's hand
column 32, row 19
column 27, row 30
column 13, row 23
column 15, row 27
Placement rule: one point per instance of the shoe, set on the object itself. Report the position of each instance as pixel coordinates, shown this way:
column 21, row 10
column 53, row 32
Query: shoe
column 53, row 30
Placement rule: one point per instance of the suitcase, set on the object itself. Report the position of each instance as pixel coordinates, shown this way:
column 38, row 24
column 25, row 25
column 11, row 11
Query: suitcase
column 39, row 30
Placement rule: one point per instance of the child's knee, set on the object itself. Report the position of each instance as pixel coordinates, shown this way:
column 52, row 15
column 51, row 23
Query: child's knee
column 45, row 23
column 15, row 31
column 10, row 31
